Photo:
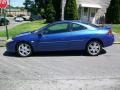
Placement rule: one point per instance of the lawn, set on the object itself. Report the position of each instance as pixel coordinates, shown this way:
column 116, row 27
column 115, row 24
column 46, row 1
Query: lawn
column 116, row 28
column 30, row 26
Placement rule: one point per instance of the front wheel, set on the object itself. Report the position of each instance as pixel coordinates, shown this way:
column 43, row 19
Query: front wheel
column 94, row 48
column 24, row 49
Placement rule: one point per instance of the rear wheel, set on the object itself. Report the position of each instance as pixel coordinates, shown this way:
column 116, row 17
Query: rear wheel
column 24, row 49
column 94, row 48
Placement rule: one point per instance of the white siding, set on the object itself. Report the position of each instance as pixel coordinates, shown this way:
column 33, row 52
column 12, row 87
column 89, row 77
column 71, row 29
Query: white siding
column 101, row 12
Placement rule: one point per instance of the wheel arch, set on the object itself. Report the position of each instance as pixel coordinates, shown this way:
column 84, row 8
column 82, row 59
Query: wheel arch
column 23, row 42
column 95, row 39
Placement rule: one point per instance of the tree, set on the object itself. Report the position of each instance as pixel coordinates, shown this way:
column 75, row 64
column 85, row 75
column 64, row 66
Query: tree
column 57, row 6
column 50, row 12
column 30, row 6
column 113, row 12
column 41, row 6
column 71, row 12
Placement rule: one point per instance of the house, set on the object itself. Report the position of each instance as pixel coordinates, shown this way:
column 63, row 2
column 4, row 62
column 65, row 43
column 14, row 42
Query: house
column 90, row 10
column 16, row 12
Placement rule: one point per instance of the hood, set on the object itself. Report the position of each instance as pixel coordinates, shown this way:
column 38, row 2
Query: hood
column 25, row 36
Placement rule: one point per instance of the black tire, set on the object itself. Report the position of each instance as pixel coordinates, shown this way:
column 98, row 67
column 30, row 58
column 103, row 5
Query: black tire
column 24, row 51
column 92, row 49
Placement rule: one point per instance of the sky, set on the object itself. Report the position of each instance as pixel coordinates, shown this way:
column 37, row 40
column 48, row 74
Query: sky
column 15, row 3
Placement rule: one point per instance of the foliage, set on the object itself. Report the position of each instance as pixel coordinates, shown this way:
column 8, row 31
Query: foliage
column 30, row 6
column 116, row 28
column 57, row 6
column 71, row 12
column 25, row 27
column 50, row 12
column 113, row 12
column 10, row 15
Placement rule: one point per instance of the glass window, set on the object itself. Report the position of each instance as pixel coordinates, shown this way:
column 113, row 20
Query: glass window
column 76, row 27
column 57, row 28
column 85, row 11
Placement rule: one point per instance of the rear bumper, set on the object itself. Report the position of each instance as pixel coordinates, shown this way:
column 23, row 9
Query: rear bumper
column 108, row 41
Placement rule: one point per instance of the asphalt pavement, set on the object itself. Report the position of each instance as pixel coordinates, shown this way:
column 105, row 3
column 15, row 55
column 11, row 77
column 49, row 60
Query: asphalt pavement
column 72, row 70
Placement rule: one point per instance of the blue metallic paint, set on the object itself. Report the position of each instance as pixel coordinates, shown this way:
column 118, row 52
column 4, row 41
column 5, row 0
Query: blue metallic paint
column 72, row 40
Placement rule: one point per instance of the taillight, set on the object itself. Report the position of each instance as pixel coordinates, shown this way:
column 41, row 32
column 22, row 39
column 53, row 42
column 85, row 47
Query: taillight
column 110, row 32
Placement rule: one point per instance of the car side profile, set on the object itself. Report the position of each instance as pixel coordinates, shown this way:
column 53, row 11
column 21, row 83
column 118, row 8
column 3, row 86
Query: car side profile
column 62, row 36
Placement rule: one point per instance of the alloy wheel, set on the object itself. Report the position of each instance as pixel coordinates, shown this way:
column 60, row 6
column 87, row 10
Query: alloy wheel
column 24, row 49
column 94, row 48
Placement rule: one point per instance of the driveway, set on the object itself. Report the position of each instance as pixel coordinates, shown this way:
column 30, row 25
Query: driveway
column 61, row 71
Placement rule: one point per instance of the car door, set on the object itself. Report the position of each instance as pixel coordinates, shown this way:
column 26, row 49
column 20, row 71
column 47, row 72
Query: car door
column 55, row 37
column 78, row 37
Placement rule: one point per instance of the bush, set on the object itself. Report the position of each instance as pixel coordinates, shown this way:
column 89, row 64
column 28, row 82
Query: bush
column 50, row 12
column 10, row 15
column 71, row 12
column 57, row 6
column 113, row 12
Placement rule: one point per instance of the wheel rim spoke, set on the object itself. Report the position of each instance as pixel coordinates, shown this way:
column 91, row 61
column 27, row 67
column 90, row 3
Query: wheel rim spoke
column 94, row 48
column 24, row 49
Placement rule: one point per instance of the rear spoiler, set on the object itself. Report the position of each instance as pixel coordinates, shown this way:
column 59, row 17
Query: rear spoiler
column 107, row 27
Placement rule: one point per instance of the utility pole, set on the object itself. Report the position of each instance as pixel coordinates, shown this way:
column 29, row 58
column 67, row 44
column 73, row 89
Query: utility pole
column 9, row 7
column 5, row 23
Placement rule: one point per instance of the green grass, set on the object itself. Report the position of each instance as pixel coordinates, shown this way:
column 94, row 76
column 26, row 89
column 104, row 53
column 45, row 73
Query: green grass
column 30, row 26
column 116, row 28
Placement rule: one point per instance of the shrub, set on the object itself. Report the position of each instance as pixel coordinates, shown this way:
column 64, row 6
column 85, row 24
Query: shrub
column 10, row 15
column 113, row 12
column 57, row 6
column 50, row 12
column 71, row 12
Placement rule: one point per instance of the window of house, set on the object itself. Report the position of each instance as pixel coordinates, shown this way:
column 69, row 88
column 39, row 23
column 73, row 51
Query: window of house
column 85, row 11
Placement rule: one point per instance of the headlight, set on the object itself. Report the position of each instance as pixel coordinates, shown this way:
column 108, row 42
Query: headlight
column 9, row 40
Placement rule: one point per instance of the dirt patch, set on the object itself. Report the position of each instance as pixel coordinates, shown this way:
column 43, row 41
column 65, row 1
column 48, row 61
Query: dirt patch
column 2, row 41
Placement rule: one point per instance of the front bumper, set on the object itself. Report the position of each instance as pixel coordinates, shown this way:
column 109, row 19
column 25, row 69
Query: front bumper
column 10, row 47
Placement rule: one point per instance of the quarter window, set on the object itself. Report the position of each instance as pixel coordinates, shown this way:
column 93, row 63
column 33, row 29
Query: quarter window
column 77, row 27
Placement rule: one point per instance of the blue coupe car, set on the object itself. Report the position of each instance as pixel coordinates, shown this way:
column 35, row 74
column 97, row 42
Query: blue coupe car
column 62, row 36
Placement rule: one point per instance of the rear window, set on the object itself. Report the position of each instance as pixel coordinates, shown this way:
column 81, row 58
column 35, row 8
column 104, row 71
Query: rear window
column 77, row 27
column 93, row 25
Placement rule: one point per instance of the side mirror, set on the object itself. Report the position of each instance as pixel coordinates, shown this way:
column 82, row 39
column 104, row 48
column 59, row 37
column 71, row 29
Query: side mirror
column 40, row 34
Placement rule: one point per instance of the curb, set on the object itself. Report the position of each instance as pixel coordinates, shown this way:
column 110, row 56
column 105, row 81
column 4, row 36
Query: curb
column 116, row 42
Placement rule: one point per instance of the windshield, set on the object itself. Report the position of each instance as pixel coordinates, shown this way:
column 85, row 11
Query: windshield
column 40, row 29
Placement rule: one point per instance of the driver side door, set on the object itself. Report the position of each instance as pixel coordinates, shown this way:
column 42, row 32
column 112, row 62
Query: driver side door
column 55, row 37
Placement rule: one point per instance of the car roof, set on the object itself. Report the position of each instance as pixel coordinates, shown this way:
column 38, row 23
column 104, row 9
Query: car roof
column 71, row 21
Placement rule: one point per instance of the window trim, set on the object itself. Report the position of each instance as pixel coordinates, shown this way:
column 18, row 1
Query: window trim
column 71, row 27
column 68, row 28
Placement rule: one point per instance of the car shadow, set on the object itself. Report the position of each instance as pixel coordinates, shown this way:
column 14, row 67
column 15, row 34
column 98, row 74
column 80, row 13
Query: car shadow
column 55, row 53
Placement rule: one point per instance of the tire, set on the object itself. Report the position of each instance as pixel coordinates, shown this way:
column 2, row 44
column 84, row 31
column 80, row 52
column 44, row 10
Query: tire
column 24, row 49
column 93, row 48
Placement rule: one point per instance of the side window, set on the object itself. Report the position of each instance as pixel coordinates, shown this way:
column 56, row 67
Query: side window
column 77, row 27
column 57, row 28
